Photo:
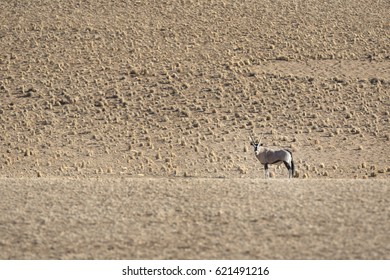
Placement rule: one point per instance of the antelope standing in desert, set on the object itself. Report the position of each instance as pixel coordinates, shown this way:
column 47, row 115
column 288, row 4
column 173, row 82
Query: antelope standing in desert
column 269, row 156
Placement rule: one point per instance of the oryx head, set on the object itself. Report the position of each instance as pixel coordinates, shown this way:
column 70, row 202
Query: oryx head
column 255, row 144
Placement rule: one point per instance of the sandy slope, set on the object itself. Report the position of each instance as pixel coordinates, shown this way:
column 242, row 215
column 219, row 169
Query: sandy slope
column 194, row 219
column 172, row 88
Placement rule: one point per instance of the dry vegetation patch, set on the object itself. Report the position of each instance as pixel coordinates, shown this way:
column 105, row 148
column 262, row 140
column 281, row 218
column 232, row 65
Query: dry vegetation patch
column 171, row 89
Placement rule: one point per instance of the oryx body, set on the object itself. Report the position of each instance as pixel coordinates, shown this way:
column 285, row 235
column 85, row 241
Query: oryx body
column 269, row 156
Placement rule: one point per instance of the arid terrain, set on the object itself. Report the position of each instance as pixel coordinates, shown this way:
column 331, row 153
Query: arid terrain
column 97, row 97
column 194, row 218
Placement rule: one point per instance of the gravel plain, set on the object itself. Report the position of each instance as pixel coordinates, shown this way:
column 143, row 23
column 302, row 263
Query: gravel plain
column 196, row 218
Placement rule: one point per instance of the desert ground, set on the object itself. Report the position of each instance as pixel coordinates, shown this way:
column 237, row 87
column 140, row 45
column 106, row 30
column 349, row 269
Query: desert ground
column 124, row 128
column 194, row 218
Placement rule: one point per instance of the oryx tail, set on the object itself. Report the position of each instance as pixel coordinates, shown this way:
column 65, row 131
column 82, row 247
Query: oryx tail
column 292, row 164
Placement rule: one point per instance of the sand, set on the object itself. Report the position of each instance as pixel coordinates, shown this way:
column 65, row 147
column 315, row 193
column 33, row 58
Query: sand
column 198, row 218
column 166, row 90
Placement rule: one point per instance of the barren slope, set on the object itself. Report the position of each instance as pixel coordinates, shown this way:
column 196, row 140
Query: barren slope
column 172, row 88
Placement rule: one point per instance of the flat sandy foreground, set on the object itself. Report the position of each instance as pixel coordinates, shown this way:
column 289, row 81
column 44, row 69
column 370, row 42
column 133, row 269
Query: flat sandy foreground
column 194, row 218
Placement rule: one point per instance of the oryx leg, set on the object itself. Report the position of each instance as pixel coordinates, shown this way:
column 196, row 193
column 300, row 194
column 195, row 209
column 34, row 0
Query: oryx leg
column 266, row 174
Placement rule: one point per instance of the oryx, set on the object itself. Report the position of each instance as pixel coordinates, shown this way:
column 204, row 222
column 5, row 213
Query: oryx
column 269, row 156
